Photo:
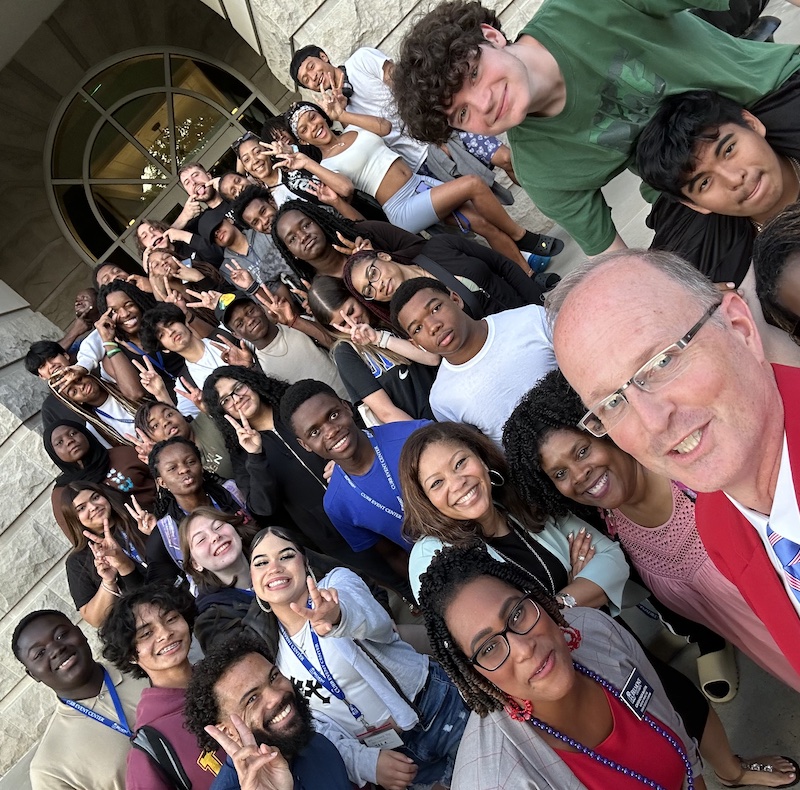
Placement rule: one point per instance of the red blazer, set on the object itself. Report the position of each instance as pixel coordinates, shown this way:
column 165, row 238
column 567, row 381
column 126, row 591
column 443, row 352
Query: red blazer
column 736, row 549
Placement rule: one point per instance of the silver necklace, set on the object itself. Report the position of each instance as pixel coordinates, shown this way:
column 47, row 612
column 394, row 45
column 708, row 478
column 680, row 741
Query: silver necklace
column 520, row 533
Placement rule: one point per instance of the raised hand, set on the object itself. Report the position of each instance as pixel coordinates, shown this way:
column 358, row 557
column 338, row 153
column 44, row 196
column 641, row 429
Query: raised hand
column 207, row 299
column 142, row 444
column 174, row 297
column 140, row 281
column 105, row 326
column 248, row 437
column 233, row 355
column 279, row 310
column 145, row 520
column 105, row 570
column 324, row 193
column 150, row 380
column 325, row 612
column 240, row 276
column 360, row 334
column 302, row 295
column 107, row 547
column 258, row 767
column 347, row 247
column 331, row 98
column 190, row 392
column 581, row 550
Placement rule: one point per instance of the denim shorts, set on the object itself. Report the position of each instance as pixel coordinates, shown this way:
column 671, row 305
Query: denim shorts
column 411, row 207
column 434, row 742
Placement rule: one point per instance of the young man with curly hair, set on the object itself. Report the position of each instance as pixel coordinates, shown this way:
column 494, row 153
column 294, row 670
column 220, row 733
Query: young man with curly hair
column 574, row 90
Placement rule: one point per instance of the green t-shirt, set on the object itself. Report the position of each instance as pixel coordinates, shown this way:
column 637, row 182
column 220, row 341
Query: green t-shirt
column 619, row 59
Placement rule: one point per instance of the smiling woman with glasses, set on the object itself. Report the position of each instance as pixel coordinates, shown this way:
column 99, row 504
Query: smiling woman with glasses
column 549, row 696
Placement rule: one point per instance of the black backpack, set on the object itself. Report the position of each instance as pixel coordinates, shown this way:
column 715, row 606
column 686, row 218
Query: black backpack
column 152, row 742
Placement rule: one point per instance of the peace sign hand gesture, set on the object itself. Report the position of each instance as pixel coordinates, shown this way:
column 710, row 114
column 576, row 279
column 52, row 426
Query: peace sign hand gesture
column 326, row 612
column 258, row 767
column 279, row 310
column 144, row 520
column 240, row 276
column 292, row 161
column 360, row 334
column 108, row 548
column 174, row 297
column 249, row 438
column 105, row 326
column 331, row 98
column 148, row 377
column 207, row 299
column 233, row 355
column 191, row 393
column 347, row 247
column 142, row 444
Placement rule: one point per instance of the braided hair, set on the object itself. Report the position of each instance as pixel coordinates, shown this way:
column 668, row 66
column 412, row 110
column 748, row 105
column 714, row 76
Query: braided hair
column 451, row 569
column 331, row 223
column 550, row 406
column 268, row 389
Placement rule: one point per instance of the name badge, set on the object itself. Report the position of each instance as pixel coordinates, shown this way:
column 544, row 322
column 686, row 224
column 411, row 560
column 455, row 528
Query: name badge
column 637, row 693
column 385, row 737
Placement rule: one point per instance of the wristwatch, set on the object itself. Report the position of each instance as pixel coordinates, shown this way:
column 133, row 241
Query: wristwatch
column 566, row 601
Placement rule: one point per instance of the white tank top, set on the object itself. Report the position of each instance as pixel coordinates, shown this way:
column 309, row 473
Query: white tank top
column 366, row 162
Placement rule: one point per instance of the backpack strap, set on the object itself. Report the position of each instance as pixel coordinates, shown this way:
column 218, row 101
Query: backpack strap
column 150, row 741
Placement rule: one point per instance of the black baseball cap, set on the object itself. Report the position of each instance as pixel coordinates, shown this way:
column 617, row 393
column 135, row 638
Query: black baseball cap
column 210, row 220
column 226, row 303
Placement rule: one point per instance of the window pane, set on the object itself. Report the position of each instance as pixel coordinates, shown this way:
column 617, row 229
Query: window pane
column 120, row 204
column 68, row 147
column 204, row 78
column 134, row 74
column 195, row 123
column 146, row 120
column 113, row 156
column 79, row 218
column 254, row 116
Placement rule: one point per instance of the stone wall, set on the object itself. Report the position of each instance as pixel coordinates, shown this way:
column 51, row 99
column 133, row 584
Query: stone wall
column 32, row 546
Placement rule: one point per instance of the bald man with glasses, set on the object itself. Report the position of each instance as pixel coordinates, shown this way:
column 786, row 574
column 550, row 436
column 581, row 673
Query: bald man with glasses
column 674, row 372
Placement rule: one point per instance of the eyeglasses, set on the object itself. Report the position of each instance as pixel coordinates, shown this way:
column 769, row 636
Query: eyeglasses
column 663, row 368
column 492, row 653
column 373, row 274
column 236, row 392
column 243, row 139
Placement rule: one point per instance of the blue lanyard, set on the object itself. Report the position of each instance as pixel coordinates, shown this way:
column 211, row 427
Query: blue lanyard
column 121, row 727
column 389, row 478
column 325, row 678
column 131, row 551
column 111, row 418
column 158, row 360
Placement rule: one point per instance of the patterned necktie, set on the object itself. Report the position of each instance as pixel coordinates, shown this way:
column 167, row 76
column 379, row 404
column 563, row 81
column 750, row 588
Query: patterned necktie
column 788, row 552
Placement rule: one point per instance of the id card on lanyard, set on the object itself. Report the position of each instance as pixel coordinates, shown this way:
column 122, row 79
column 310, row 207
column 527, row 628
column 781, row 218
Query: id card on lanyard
column 382, row 737
column 389, row 479
column 120, row 726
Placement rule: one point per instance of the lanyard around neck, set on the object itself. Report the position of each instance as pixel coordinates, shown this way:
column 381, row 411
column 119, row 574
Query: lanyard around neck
column 121, row 726
column 389, row 479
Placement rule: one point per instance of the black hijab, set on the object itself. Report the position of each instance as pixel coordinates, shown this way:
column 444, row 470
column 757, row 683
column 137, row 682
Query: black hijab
column 96, row 462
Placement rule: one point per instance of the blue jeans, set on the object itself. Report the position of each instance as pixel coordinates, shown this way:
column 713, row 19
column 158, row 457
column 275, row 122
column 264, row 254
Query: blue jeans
column 433, row 743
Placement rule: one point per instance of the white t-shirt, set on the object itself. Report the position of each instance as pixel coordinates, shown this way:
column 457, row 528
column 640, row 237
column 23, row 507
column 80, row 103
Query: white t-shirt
column 356, row 690
column 784, row 518
column 293, row 356
column 113, row 413
column 372, row 96
column 91, row 352
column 206, row 365
column 484, row 391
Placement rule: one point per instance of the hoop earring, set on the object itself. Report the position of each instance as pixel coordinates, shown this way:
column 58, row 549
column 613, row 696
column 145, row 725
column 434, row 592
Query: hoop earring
column 264, row 607
column 572, row 636
column 496, row 479
column 518, row 713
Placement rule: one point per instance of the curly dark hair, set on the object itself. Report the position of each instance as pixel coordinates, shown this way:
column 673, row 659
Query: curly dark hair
column 435, row 58
column 142, row 300
column 163, row 314
column 118, row 632
column 268, row 389
column 248, row 195
column 776, row 249
column 40, row 352
column 330, row 222
column 550, row 406
column 666, row 148
column 422, row 517
column 202, row 706
column 449, row 571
